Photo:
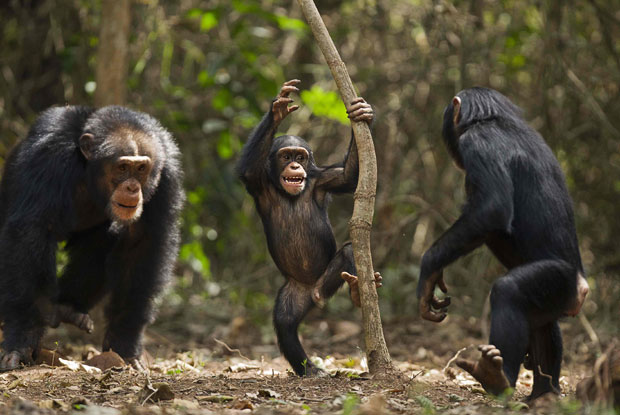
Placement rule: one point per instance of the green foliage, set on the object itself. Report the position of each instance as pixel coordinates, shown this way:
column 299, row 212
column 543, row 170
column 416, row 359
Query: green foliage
column 325, row 103
column 193, row 254
column 62, row 257
column 426, row 404
column 287, row 23
column 350, row 403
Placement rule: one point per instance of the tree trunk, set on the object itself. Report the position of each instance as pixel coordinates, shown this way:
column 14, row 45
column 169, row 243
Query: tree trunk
column 112, row 65
column 379, row 361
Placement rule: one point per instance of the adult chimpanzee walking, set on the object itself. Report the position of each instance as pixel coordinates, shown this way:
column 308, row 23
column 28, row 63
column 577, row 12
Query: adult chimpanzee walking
column 292, row 194
column 109, row 182
column 518, row 205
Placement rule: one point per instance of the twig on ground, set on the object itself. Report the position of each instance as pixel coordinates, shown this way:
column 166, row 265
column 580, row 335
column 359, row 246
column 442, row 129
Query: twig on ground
column 544, row 375
column 231, row 350
column 456, row 356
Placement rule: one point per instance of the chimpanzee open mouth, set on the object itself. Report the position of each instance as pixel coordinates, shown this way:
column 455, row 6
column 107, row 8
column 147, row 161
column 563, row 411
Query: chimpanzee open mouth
column 294, row 180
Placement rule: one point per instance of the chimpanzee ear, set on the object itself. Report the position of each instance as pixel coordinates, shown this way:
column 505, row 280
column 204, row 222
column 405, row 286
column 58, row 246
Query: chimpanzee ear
column 456, row 104
column 87, row 144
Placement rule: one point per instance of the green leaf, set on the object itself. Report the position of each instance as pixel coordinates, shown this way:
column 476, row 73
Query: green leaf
column 349, row 404
column 325, row 104
column 222, row 99
column 288, row 23
column 194, row 13
column 204, row 79
column 208, row 21
column 193, row 254
column 225, row 145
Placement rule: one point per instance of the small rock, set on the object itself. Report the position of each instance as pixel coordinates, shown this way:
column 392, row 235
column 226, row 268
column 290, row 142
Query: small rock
column 106, row 360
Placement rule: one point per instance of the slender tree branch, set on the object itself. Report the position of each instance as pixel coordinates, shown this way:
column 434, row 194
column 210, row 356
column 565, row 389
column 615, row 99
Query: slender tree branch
column 379, row 361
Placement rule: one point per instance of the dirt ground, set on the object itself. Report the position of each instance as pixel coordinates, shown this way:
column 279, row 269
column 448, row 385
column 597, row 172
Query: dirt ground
column 215, row 378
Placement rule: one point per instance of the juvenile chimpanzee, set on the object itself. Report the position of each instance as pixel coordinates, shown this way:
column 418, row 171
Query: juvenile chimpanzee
column 108, row 182
column 292, row 194
column 518, row 205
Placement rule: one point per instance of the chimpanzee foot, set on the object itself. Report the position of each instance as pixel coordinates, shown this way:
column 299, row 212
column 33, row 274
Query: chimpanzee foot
column 354, row 289
column 12, row 359
column 487, row 370
column 314, row 372
column 136, row 363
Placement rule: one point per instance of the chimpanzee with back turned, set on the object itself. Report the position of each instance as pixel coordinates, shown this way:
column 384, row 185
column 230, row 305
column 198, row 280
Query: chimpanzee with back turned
column 518, row 205
column 291, row 194
column 108, row 182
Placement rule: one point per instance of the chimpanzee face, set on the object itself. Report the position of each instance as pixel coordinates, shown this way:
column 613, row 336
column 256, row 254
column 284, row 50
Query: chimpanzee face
column 124, row 174
column 292, row 164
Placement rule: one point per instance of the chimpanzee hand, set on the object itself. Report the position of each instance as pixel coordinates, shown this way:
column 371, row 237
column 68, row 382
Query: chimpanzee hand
column 67, row 314
column 280, row 105
column 428, row 301
column 360, row 110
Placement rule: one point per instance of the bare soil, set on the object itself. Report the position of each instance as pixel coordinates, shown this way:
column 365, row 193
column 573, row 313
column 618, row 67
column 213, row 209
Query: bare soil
column 215, row 378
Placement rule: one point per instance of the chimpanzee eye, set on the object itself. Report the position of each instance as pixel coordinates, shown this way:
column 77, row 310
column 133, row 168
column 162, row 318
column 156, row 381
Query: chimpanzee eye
column 299, row 158
column 122, row 167
column 141, row 167
column 287, row 157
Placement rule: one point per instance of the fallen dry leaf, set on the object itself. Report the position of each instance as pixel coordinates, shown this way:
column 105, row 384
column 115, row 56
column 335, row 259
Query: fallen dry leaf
column 155, row 392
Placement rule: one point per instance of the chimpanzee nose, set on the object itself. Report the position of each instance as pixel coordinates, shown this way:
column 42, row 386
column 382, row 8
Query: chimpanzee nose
column 132, row 186
column 295, row 165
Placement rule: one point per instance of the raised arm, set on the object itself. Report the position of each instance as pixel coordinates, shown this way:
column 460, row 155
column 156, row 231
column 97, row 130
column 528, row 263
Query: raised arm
column 255, row 153
column 342, row 177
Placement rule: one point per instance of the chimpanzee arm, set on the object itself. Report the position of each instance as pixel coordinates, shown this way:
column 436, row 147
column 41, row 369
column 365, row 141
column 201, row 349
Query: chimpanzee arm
column 253, row 162
column 342, row 178
column 489, row 208
column 141, row 264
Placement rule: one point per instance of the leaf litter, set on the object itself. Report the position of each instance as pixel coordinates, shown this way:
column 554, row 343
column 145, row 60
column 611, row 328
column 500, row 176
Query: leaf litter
column 205, row 381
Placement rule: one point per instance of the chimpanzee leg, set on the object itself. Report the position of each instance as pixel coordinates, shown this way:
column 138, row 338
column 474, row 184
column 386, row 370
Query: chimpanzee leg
column 331, row 281
column 509, row 324
column 27, row 274
column 546, row 359
column 293, row 302
column 83, row 281
column 130, row 308
column 527, row 298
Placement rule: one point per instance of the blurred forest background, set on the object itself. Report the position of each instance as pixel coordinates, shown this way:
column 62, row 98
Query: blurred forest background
column 209, row 69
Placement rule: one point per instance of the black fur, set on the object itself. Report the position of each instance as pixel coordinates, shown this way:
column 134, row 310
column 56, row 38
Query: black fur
column 299, row 235
column 49, row 193
column 519, row 206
